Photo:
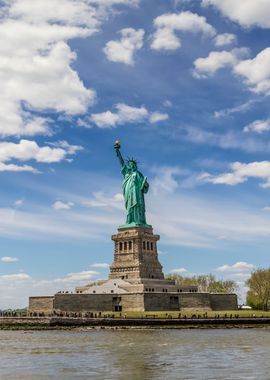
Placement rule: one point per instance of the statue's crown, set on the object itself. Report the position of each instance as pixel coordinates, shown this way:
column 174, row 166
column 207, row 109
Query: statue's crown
column 131, row 159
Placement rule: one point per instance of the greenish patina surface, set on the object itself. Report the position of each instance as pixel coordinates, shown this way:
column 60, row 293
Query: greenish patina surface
column 135, row 185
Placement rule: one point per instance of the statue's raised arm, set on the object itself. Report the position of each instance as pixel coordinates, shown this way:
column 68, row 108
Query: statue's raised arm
column 135, row 185
column 118, row 153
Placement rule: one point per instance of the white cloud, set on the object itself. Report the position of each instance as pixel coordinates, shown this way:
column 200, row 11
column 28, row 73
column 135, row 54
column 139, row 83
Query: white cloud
column 19, row 202
column 70, row 149
column 77, row 276
column 59, row 205
column 240, row 266
column 71, row 12
column 241, row 172
column 36, row 61
column 178, row 270
column 258, row 126
column 179, row 219
column 101, row 265
column 100, row 200
column 165, row 179
column 123, row 50
column 165, row 38
column 8, row 259
column 230, row 139
column 239, row 108
column 74, row 224
column 222, row 237
column 17, row 168
column 217, row 60
column 240, row 276
column 225, row 39
column 35, row 66
column 181, row 2
column 27, row 150
column 15, row 121
column 15, row 277
column 118, row 197
column 15, row 289
column 167, row 103
column 247, row 13
column 158, row 116
column 130, row 114
column 256, row 72
column 106, row 119
column 84, row 122
column 126, row 114
column 107, row 4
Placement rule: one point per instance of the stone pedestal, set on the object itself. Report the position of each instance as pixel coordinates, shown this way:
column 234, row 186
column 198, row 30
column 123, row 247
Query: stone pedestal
column 135, row 255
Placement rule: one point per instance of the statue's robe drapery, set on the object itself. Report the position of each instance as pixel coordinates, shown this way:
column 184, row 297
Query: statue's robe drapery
column 135, row 185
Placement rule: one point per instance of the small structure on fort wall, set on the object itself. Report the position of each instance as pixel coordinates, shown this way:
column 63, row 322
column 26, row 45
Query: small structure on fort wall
column 136, row 281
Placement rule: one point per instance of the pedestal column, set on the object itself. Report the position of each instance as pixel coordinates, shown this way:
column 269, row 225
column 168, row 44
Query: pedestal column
column 135, row 254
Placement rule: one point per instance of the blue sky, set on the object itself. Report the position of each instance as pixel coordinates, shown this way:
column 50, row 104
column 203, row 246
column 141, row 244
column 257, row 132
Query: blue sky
column 184, row 85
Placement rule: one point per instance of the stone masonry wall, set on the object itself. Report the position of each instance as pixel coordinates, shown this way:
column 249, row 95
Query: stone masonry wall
column 41, row 304
column 132, row 302
column 194, row 300
column 223, row 301
column 208, row 301
column 135, row 254
column 161, row 302
column 83, row 302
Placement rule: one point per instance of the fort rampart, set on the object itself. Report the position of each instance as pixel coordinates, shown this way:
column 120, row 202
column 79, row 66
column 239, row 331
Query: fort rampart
column 68, row 302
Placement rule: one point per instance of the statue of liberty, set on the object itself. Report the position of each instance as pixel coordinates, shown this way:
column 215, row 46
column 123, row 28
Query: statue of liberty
column 135, row 185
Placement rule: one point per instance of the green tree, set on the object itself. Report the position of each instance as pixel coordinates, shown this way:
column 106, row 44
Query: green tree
column 206, row 283
column 258, row 295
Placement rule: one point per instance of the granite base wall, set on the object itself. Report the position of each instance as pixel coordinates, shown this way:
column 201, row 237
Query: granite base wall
column 83, row 302
column 223, row 301
column 133, row 302
column 99, row 302
column 195, row 301
column 208, row 301
column 43, row 304
column 161, row 302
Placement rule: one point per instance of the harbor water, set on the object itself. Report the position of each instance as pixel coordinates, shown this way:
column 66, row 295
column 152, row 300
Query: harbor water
column 136, row 354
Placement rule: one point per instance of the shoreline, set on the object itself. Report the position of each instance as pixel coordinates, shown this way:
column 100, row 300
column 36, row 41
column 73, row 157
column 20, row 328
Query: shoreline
column 68, row 323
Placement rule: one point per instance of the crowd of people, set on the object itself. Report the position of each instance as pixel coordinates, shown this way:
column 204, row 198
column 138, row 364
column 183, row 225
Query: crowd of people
column 60, row 314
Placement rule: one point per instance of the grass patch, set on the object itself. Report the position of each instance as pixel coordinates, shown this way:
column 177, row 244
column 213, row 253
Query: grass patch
column 185, row 312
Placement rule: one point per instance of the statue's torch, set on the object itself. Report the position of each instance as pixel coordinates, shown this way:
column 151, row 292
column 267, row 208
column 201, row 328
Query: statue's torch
column 117, row 144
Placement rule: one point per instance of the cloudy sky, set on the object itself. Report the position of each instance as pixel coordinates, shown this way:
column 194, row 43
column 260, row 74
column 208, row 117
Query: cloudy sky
column 183, row 84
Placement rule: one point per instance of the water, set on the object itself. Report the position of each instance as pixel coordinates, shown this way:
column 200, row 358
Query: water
column 230, row 354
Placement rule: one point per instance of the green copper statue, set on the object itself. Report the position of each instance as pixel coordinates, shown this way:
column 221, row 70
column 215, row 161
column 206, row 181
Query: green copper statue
column 135, row 185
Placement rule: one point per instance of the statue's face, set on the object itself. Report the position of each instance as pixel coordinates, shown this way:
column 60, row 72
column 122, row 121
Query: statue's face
column 132, row 165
